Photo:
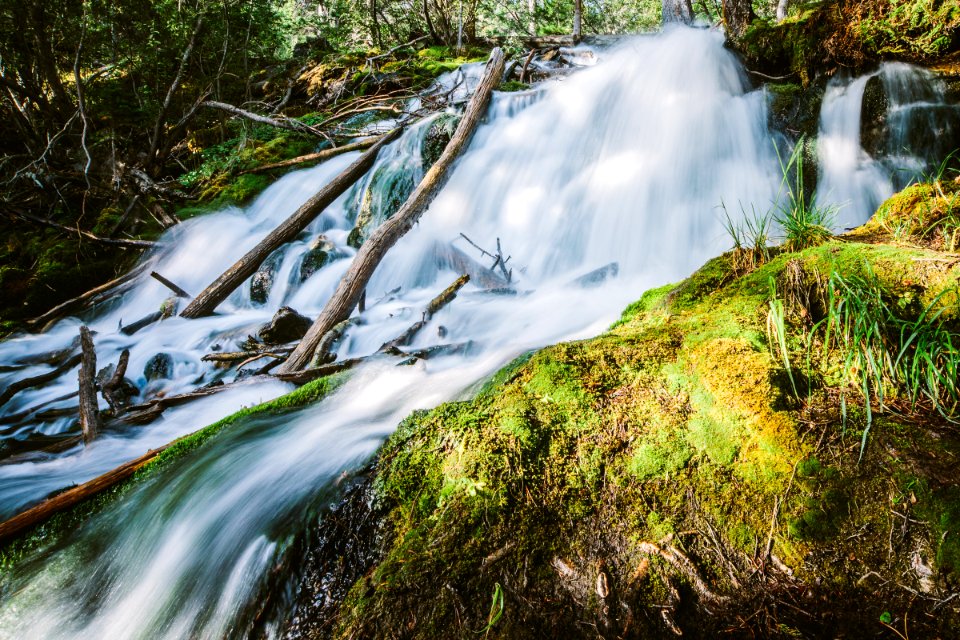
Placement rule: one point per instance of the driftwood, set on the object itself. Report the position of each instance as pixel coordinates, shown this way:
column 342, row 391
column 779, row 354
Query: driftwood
column 133, row 327
column 112, row 389
column 177, row 291
column 13, row 418
column 526, row 64
column 453, row 258
column 35, row 381
column 439, row 302
column 353, row 284
column 319, row 156
column 306, row 375
column 324, row 353
column 116, row 242
column 89, row 410
column 288, row 124
column 90, row 297
column 219, row 289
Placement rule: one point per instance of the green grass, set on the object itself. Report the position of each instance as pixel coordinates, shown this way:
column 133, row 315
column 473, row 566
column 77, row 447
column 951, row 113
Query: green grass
column 803, row 223
column 883, row 354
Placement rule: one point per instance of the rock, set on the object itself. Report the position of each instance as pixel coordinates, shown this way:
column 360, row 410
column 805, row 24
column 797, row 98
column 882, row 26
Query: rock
column 262, row 280
column 386, row 192
column 436, row 139
column 286, row 326
column 321, row 253
column 597, row 277
column 874, row 123
column 168, row 308
column 159, row 367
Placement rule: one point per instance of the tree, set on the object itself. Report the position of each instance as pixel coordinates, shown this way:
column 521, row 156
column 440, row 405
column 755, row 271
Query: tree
column 577, row 19
column 677, row 11
column 737, row 15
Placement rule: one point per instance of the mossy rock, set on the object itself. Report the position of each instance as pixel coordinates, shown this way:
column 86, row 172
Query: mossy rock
column 679, row 420
column 438, row 135
column 926, row 215
column 386, row 192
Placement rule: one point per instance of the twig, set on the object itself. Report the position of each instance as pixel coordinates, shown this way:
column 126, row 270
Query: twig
column 117, row 242
column 180, row 293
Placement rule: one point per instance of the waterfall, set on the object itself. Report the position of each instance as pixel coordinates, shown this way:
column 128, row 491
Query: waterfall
column 626, row 161
column 913, row 127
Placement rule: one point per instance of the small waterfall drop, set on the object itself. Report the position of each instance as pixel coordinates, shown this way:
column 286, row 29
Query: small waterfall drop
column 625, row 162
column 911, row 127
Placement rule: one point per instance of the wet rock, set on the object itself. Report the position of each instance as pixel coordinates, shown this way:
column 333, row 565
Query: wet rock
column 874, row 123
column 795, row 110
column 286, row 326
column 262, row 281
column 159, row 367
column 388, row 189
column 321, row 253
column 597, row 277
column 436, row 139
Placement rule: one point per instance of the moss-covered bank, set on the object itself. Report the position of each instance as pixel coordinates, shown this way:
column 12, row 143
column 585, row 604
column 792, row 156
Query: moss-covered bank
column 822, row 37
column 667, row 476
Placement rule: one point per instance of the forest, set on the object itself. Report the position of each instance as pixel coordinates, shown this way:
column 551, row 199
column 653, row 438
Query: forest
column 462, row 318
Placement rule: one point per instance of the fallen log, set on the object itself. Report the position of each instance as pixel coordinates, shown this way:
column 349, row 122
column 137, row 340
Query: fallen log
column 85, row 298
column 28, row 383
column 223, row 286
column 307, row 375
column 354, row 283
column 90, row 423
column 133, row 327
column 439, row 302
column 63, row 501
column 177, row 291
column 319, row 156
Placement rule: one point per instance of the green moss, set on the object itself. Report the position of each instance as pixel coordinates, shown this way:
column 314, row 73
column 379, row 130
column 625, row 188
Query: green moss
column 680, row 409
column 510, row 86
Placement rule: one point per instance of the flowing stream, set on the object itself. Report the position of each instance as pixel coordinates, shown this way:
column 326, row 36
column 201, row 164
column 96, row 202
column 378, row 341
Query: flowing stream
column 626, row 161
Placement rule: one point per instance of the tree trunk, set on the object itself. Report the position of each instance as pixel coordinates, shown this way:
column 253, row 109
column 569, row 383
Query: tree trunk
column 577, row 20
column 219, row 289
column 737, row 16
column 677, row 11
column 353, row 284
column 89, row 409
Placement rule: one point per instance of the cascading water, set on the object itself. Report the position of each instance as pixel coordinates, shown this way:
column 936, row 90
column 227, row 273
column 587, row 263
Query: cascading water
column 626, row 161
column 912, row 124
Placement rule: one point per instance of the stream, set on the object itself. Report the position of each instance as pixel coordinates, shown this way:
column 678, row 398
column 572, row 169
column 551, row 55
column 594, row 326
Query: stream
column 627, row 160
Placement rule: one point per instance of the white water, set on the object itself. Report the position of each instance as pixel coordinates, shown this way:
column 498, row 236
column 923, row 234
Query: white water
column 921, row 125
column 626, row 161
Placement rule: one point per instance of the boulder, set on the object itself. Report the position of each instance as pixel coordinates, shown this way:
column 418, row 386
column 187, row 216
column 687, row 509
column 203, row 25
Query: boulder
column 262, row 281
column 159, row 367
column 286, row 326
column 321, row 253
